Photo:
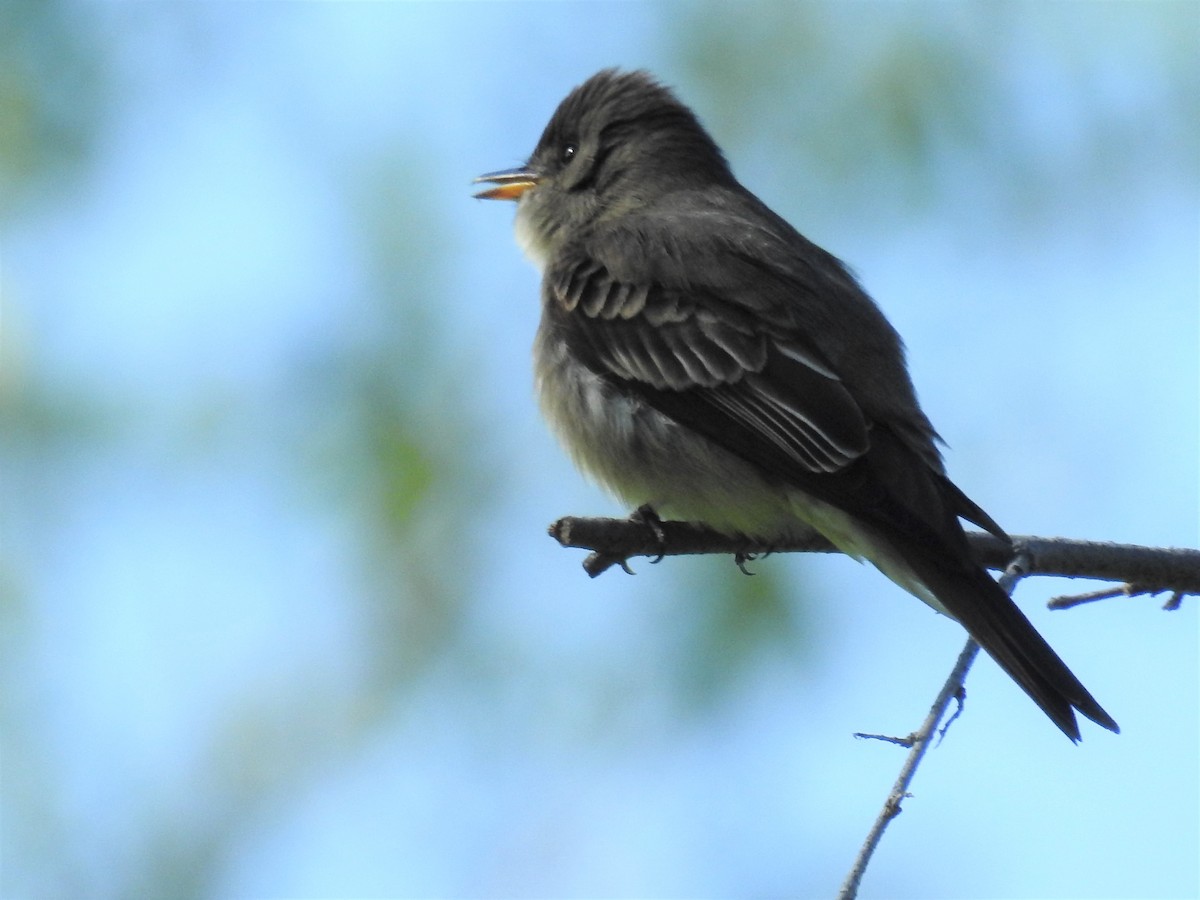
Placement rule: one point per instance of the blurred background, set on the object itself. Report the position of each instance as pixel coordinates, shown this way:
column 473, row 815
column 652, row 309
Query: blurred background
column 278, row 613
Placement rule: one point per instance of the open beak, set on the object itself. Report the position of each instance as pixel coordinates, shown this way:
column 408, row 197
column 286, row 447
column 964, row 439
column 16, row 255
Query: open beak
column 509, row 184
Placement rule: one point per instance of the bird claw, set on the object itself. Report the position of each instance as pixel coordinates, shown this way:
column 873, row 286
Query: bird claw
column 741, row 558
column 645, row 515
column 744, row 556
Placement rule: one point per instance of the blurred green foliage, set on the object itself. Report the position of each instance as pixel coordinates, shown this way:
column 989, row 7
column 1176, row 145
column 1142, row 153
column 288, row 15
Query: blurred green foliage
column 411, row 450
column 791, row 79
column 733, row 624
column 871, row 110
column 55, row 86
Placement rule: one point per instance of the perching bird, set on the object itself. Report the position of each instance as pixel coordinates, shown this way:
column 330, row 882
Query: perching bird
column 698, row 356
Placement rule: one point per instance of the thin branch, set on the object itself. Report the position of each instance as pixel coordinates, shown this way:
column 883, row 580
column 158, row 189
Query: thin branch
column 919, row 742
column 1152, row 569
column 907, row 741
column 1121, row 590
column 899, row 792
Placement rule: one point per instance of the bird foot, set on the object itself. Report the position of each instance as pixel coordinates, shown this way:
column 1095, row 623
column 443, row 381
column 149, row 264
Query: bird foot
column 645, row 515
column 744, row 556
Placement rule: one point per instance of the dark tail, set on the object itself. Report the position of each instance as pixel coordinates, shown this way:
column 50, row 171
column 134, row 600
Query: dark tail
column 998, row 625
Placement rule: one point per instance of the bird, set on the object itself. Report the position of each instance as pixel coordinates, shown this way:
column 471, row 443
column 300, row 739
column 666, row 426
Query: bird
column 703, row 361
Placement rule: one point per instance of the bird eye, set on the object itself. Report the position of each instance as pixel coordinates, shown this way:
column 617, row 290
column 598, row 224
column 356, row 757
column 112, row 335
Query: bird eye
column 568, row 151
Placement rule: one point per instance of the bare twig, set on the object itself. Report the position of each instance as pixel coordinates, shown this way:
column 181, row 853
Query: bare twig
column 906, row 741
column 1066, row 601
column 1152, row 569
column 1121, row 590
column 920, row 743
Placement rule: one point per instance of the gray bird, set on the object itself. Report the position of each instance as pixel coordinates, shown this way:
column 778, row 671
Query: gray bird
column 699, row 357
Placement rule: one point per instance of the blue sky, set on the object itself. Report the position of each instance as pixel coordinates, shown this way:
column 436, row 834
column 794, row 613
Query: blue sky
column 175, row 587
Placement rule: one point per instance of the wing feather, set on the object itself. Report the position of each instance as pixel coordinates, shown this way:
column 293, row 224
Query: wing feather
column 718, row 368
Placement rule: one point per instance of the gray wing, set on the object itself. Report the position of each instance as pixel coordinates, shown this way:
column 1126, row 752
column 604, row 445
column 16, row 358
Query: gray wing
column 721, row 369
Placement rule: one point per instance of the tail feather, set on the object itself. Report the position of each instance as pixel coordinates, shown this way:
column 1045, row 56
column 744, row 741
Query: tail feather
column 998, row 625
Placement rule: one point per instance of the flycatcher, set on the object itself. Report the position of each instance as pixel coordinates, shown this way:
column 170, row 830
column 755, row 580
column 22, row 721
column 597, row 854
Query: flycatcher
column 699, row 356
